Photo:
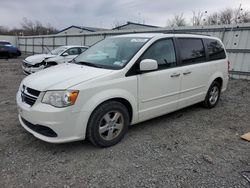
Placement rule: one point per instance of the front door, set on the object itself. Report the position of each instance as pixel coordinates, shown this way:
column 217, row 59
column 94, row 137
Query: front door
column 159, row 90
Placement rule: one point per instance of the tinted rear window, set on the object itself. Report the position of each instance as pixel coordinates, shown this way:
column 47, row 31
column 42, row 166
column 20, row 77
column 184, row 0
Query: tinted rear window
column 215, row 49
column 191, row 50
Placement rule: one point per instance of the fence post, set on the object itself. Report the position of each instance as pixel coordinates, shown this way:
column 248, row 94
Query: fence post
column 25, row 45
column 42, row 44
column 223, row 35
column 33, row 47
column 53, row 42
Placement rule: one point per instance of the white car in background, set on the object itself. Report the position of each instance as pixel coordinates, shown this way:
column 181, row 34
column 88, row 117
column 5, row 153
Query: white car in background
column 57, row 56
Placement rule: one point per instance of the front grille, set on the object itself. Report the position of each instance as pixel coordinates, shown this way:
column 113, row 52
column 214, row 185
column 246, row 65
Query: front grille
column 43, row 130
column 33, row 92
column 29, row 95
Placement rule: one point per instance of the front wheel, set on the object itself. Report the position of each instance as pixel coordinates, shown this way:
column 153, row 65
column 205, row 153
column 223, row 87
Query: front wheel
column 108, row 124
column 213, row 95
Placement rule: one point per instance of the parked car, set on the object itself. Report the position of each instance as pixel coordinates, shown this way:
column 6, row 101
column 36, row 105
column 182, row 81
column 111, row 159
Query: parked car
column 7, row 50
column 57, row 56
column 119, row 81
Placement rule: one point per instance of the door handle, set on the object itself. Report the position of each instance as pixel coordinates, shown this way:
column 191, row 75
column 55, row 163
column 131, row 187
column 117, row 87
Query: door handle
column 187, row 73
column 175, row 75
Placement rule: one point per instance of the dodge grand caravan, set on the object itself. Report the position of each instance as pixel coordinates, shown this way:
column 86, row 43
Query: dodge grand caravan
column 119, row 81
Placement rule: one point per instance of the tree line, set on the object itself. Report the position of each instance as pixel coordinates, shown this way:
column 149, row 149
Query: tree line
column 226, row 16
column 29, row 27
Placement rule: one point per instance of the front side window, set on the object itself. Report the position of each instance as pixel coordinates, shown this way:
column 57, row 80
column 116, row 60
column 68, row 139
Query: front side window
column 191, row 50
column 215, row 49
column 73, row 51
column 163, row 52
column 111, row 53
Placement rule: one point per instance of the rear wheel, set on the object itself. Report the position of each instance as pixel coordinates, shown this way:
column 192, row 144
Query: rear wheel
column 213, row 95
column 108, row 124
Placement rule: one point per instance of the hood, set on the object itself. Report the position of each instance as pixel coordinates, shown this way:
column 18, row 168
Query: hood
column 63, row 76
column 34, row 59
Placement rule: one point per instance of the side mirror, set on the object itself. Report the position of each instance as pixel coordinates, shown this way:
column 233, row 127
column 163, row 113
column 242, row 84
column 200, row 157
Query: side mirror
column 148, row 65
column 65, row 54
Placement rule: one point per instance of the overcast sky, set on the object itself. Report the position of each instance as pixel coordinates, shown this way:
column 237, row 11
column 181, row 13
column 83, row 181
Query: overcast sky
column 105, row 13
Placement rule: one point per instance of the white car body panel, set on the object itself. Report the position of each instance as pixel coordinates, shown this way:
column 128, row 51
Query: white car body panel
column 150, row 95
column 63, row 76
column 38, row 58
column 161, row 97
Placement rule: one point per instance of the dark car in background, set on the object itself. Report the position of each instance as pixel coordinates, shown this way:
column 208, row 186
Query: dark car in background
column 7, row 50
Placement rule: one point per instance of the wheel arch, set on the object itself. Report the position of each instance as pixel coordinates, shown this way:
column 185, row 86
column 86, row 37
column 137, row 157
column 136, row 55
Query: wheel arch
column 123, row 101
column 216, row 77
column 220, row 81
column 122, row 96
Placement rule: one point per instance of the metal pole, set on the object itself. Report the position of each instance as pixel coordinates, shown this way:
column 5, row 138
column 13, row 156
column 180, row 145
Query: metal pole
column 42, row 44
column 53, row 42
column 26, row 45
column 33, row 47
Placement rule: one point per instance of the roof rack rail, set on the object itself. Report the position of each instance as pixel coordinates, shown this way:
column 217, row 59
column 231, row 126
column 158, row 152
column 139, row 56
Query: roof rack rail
column 183, row 32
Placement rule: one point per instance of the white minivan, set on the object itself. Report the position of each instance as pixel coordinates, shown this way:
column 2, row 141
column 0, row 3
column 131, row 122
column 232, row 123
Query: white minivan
column 119, row 81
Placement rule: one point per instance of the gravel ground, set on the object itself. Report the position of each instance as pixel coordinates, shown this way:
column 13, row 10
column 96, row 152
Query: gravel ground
column 193, row 147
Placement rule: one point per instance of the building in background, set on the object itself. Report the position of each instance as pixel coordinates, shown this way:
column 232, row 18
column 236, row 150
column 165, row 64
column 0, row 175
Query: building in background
column 132, row 25
column 78, row 30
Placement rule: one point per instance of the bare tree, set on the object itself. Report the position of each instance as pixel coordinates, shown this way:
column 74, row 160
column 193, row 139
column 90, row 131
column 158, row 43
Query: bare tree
column 241, row 16
column 226, row 16
column 177, row 20
column 213, row 19
column 197, row 18
column 36, row 28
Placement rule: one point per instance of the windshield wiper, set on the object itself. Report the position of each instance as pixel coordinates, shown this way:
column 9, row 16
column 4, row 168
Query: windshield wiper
column 87, row 64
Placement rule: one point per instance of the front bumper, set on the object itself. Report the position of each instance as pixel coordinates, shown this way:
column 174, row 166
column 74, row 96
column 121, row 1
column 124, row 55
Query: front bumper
column 29, row 69
column 67, row 124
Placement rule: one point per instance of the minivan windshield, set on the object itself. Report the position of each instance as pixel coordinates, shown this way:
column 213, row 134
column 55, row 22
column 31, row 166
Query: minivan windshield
column 111, row 53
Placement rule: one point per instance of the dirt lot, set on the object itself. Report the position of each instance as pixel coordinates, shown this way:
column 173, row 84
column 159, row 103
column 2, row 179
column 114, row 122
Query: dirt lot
column 193, row 147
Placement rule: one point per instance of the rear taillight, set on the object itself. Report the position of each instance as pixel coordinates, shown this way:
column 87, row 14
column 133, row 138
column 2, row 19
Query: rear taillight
column 228, row 66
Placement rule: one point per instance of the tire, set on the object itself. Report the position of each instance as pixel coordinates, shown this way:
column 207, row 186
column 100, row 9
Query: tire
column 213, row 95
column 108, row 124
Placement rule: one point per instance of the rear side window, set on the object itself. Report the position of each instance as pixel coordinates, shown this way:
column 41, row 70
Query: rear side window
column 215, row 49
column 163, row 52
column 191, row 50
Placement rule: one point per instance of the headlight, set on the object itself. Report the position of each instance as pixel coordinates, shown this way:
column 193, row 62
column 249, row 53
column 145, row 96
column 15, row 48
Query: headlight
column 60, row 98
